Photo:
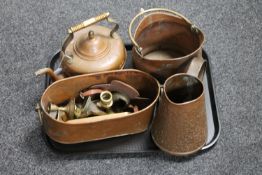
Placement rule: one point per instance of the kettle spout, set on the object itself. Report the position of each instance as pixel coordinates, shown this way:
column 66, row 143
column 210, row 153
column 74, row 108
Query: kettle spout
column 48, row 71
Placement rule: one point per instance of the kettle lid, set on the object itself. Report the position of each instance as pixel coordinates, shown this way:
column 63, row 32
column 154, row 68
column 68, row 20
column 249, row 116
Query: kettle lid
column 91, row 46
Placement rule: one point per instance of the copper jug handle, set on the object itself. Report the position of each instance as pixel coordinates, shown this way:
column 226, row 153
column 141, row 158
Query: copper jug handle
column 94, row 20
column 197, row 67
column 143, row 12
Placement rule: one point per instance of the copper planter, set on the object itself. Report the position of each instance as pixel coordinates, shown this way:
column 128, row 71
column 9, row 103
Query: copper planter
column 97, row 128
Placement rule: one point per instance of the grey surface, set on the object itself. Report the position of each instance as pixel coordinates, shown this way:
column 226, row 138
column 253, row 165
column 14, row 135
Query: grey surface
column 30, row 31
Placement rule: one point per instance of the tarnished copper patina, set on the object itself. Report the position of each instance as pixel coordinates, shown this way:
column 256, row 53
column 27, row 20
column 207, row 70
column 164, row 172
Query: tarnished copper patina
column 180, row 126
column 164, row 42
column 98, row 127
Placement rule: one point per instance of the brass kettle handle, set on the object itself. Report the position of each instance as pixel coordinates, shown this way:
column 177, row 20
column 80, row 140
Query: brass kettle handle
column 92, row 21
column 143, row 12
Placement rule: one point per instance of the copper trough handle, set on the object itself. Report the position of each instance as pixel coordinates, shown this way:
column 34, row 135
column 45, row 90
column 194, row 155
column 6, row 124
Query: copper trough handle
column 139, row 49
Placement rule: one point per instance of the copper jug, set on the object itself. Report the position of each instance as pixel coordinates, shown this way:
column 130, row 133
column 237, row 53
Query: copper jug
column 180, row 126
column 164, row 42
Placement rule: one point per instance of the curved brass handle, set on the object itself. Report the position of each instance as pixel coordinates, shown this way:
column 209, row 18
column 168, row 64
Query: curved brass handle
column 94, row 20
column 139, row 49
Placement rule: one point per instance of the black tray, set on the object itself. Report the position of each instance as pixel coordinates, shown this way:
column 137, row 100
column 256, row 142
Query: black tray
column 142, row 142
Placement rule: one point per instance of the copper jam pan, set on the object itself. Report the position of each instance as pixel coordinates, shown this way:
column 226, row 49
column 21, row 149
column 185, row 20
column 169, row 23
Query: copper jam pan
column 142, row 142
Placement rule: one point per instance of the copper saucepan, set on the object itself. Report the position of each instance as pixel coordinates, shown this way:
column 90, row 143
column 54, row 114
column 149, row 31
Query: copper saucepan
column 164, row 42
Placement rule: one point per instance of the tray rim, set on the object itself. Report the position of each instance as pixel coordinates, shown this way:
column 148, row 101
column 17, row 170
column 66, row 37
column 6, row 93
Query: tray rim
column 213, row 102
column 210, row 84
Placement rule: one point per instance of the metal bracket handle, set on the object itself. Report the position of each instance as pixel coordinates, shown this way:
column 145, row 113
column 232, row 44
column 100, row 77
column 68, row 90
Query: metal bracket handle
column 39, row 111
column 143, row 12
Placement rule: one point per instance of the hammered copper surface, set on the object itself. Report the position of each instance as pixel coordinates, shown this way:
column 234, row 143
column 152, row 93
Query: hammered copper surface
column 167, row 43
column 180, row 126
column 100, row 127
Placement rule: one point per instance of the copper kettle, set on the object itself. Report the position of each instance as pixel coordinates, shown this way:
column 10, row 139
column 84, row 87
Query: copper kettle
column 91, row 48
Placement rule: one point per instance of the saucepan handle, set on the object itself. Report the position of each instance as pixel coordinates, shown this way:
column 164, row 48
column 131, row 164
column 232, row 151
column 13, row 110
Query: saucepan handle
column 153, row 10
